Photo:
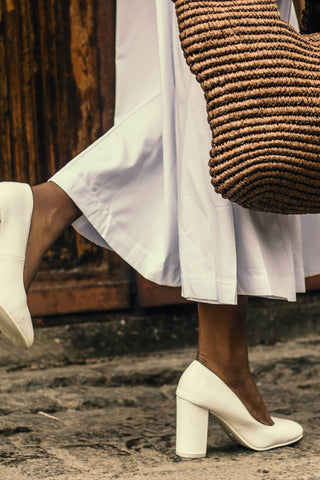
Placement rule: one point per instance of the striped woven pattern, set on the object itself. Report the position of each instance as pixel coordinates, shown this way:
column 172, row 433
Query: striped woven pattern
column 261, row 81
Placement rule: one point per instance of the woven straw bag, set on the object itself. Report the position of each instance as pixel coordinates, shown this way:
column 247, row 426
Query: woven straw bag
column 261, row 81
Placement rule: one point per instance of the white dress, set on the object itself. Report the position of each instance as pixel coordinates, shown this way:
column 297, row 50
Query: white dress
column 144, row 187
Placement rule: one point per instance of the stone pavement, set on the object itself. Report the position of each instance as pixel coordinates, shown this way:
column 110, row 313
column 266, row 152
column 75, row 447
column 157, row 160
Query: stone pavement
column 69, row 415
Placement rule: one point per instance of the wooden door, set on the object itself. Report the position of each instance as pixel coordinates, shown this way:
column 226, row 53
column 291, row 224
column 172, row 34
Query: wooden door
column 56, row 98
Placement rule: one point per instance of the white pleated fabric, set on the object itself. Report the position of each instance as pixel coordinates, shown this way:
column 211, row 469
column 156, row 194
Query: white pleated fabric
column 144, row 187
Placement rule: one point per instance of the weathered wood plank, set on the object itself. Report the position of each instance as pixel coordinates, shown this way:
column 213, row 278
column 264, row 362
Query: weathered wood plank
column 13, row 64
column 106, row 19
column 28, row 93
column 82, row 292
column 84, row 62
column 5, row 129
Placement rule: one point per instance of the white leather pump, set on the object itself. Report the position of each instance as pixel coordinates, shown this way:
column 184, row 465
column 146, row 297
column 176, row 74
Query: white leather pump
column 199, row 392
column 16, row 206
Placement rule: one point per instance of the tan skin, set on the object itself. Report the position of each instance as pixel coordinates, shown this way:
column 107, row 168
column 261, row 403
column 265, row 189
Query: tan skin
column 222, row 345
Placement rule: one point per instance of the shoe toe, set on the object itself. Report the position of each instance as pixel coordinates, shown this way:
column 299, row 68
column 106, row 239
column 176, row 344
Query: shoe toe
column 288, row 431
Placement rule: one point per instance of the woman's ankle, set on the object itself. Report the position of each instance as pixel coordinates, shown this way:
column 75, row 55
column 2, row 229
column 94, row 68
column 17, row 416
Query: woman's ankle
column 233, row 373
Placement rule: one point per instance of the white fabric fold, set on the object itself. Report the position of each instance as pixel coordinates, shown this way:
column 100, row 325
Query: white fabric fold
column 144, row 187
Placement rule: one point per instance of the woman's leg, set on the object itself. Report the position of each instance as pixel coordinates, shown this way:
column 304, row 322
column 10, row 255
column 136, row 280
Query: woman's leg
column 222, row 343
column 223, row 349
column 53, row 212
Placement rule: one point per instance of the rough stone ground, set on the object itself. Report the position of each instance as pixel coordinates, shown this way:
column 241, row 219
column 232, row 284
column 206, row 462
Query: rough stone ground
column 68, row 417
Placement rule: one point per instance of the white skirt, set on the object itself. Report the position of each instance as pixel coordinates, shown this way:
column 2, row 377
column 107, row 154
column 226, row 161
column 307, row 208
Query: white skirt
column 144, row 187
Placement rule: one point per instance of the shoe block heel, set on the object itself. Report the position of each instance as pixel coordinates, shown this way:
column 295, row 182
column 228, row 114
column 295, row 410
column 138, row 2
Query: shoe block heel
column 192, row 430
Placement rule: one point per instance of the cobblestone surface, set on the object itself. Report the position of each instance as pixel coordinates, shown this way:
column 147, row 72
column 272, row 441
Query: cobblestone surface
column 65, row 417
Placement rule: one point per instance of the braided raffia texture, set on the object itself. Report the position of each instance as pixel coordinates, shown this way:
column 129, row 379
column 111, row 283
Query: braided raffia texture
column 261, row 81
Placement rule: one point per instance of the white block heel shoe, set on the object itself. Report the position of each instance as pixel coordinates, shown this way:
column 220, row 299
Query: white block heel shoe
column 201, row 392
column 16, row 206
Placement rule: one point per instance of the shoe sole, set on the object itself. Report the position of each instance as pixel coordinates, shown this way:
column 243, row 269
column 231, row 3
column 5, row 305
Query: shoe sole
column 9, row 329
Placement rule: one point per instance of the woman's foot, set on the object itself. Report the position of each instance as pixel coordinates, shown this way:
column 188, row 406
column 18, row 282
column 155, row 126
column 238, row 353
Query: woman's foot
column 53, row 212
column 243, row 385
column 222, row 348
